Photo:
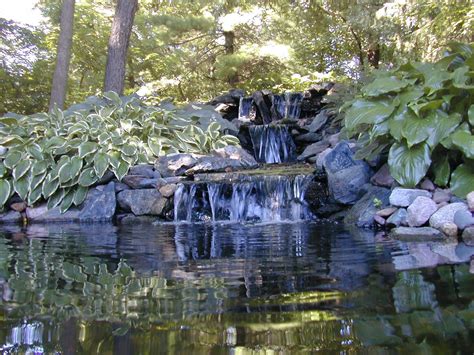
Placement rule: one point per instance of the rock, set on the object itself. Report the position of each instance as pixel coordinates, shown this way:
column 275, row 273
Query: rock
column 99, row 206
column 463, row 219
column 448, row 251
column 146, row 170
column 398, row 218
column 420, row 211
column 428, row 185
column 446, row 214
column 233, row 152
column 321, row 157
column 10, row 217
column 318, row 122
column 19, row 206
column 386, row 212
column 308, row 137
column 312, row 150
column 217, row 164
column 346, row 176
column 402, row 197
column 382, row 177
column 334, row 139
column 468, row 236
column 168, row 190
column 121, row 186
column 131, row 219
column 471, row 267
column 470, row 200
column 105, row 179
column 363, row 212
column 450, row 229
column 139, row 181
column 175, row 164
column 379, row 220
column 440, row 196
column 464, row 252
column 142, row 202
column 411, row 234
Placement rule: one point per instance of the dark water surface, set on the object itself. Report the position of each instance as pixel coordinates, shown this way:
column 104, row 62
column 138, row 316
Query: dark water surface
column 282, row 288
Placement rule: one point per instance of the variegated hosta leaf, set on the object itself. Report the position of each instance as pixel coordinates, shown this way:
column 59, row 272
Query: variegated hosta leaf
column 5, row 191
column 50, row 186
column 88, row 177
column 56, row 198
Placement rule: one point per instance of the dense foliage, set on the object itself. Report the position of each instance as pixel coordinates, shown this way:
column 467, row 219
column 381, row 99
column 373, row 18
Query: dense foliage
column 423, row 115
column 57, row 156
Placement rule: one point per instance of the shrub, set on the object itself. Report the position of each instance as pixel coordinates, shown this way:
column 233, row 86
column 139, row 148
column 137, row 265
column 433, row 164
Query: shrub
column 58, row 156
column 422, row 114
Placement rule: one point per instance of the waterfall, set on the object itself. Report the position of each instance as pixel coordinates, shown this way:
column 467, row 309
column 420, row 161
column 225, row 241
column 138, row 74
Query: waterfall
column 245, row 105
column 293, row 104
column 287, row 105
column 272, row 144
column 252, row 199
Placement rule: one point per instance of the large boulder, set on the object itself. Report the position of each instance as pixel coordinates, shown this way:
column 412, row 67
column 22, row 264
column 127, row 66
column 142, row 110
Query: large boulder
column 420, row 211
column 139, row 181
column 147, row 170
column 402, row 197
column 10, row 217
column 382, row 177
column 313, row 150
column 446, row 214
column 362, row 213
column 412, row 234
column 142, row 202
column 346, row 176
column 175, row 164
column 236, row 153
column 99, row 206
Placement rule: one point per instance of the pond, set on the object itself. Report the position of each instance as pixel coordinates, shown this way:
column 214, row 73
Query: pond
column 225, row 288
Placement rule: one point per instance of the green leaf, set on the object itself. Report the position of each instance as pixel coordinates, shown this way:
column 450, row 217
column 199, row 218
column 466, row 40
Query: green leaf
column 3, row 170
column 121, row 170
column 465, row 142
column 36, row 180
column 66, row 202
column 441, row 170
column 128, row 149
column 88, row 177
column 34, row 196
column 56, row 198
column 21, row 187
column 64, row 172
column 87, row 148
column 232, row 140
column 370, row 112
column 114, row 97
column 39, row 167
column 101, row 163
column 21, row 169
column 76, row 164
column 462, row 180
column 12, row 159
column 470, row 115
column 80, row 195
column 35, row 151
column 5, row 191
column 50, row 185
column 384, row 85
column 155, row 146
column 409, row 165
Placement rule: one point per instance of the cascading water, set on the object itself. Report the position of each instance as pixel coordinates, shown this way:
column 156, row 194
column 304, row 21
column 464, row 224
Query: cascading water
column 293, row 104
column 253, row 199
column 245, row 105
column 272, row 144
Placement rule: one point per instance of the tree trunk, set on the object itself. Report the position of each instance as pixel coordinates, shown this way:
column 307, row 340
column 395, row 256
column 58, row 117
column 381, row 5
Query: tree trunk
column 59, row 85
column 118, row 45
column 373, row 56
column 229, row 37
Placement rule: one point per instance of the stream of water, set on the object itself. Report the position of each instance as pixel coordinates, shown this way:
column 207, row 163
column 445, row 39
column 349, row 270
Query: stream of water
column 225, row 289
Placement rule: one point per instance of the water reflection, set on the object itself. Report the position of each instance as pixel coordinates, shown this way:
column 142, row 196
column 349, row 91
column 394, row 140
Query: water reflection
column 202, row 288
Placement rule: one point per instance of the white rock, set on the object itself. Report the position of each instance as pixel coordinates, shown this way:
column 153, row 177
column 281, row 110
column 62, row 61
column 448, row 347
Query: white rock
column 404, row 197
column 470, row 200
column 420, row 211
column 446, row 214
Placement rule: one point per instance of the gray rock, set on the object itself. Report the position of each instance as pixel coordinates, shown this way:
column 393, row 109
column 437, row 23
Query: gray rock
column 19, row 206
column 446, row 214
column 308, row 137
column 139, row 181
column 217, row 164
column 10, row 217
column 440, row 196
column 119, row 186
column 346, row 186
column 427, row 184
column 131, row 219
column 402, row 197
column 463, row 219
column 398, row 218
column 146, row 170
column 412, row 234
column 387, row 212
column 468, row 236
column 237, row 153
column 168, row 190
column 363, row 212
column 318, row 122
column 99, row 206
column 340, row 158
column 419, row 255
column 464, row 252
column 379, row 220
column 334, row 139
column 448, row 251
column 470, row 200
column 449, row 229
column 142, row 202
column 382, row 177
column 312, row 150
column 105, row 179
column 420, row 211
column 321, row 157
column 175, row 164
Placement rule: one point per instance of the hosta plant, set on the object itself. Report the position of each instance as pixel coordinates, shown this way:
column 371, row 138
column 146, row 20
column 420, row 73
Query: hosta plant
column 422, row 115
column 58, row 156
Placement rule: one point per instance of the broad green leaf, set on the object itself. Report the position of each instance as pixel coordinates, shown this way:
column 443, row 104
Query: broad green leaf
column 121, row 170
column 441, row 170
column 88, row 177
column 114, row 97
column 35, row 151
column 80, row 195
column 409, row 165
column 67, row 201
column 87, row 148
column 34, row 196
column 39, row 167
column 383, row 86
column 155, row 146
column 101, row 163
column 21, row 187
column 460, row 77
column 76, row 164
column 470, row 115
column 5, row 191
column 36, row 180
column 21, row 169
column 131, row 160
column 465, row 142
column 50, row 186
column 56, row 198
column 128, row 149
column 3, row 170
column 370, row 112
column 12, row 159
column 64, row 173
column 462, row 180
column 232, row 140
column 114, row 158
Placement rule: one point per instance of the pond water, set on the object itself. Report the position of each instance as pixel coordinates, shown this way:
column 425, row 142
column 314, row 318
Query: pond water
column 229, row 288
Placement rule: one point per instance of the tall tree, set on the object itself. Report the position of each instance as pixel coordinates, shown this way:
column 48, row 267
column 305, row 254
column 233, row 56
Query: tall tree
column 118, row 45
column 60, row 78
